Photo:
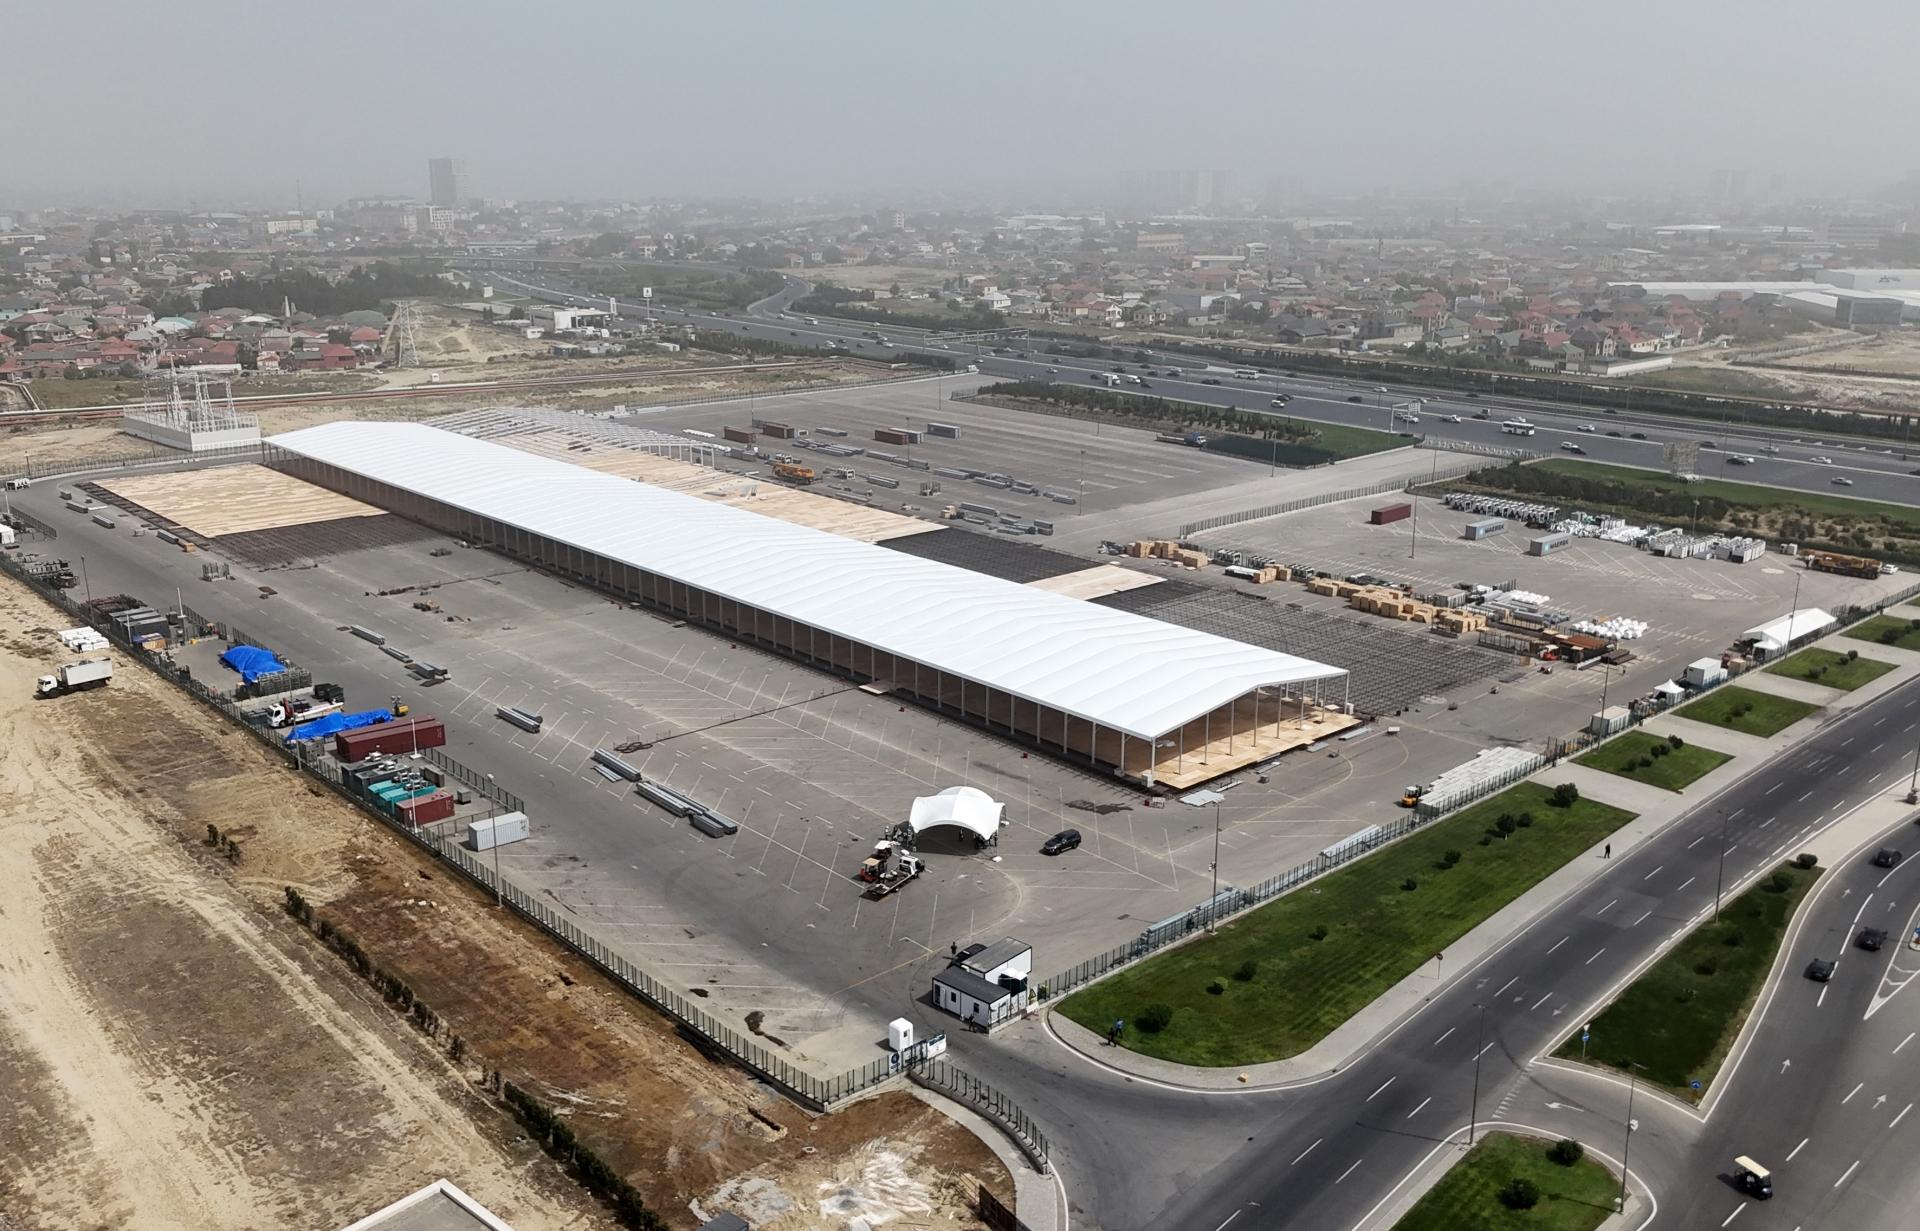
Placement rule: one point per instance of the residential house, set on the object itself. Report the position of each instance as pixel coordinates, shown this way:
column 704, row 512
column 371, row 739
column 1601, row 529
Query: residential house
column 1304, row 331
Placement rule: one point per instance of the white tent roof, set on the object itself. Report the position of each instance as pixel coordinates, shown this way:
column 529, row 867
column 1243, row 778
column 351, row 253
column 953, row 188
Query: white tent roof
column 966, row 806
column 1776, row 633
column 1123, row 671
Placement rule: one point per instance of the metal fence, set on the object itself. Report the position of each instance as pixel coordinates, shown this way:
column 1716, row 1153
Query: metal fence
column 949, row 1079
column 1308, row 502
column 29, row 524
column 158, row 455
column 642, row 408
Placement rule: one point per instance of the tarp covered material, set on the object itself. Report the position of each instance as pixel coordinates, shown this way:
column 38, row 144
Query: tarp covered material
column 965, row 806
column 1125, row 672
column 252, row 662
column 333, row 724
column 1776, row 634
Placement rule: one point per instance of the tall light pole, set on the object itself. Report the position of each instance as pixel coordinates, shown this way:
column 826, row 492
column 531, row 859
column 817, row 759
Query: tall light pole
column 1720, row 879
column 1212, row 912
column 499, row 896
column 1633, row 1077
column 1913, row 782
column 1479, row 1047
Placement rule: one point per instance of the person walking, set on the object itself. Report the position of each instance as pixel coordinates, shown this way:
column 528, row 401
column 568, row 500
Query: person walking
column 1609, row 852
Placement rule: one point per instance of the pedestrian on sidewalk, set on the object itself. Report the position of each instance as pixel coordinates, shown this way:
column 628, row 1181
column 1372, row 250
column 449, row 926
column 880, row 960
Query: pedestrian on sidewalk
column 1609, row 852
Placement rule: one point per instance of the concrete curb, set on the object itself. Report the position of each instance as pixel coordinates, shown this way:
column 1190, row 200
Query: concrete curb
column 1640, row 1208
column 1039, row 1201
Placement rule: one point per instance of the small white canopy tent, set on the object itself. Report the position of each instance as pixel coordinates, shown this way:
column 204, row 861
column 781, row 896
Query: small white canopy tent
column 968, row 807
column 1777, row 635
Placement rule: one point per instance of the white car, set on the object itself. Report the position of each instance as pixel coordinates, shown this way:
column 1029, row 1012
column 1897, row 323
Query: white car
column 1822, row 461
column 1449, row 418
column 1586, row 427
column 1841, row 480
column 1571, row 447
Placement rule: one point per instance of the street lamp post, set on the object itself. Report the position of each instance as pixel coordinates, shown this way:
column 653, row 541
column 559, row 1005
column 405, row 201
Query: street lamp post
column 1212, row 913
column 499, row 897
column 1633, row 1077
column 1913, row 781
column 1479, row 1046
column 1720, row 879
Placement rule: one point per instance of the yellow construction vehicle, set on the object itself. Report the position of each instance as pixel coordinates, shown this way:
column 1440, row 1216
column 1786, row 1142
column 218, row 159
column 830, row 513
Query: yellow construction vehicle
column 793, row 472
column 1411, row 796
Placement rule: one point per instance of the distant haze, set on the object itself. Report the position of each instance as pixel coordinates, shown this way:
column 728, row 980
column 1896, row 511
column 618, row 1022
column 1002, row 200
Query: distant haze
column 220, row 103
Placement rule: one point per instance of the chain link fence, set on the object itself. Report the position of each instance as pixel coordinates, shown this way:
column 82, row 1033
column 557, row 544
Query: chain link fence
column 947, row 1078
column 158, row 455
column 1308, row 502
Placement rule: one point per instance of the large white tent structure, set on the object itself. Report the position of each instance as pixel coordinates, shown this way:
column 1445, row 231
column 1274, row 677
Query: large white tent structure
column 1109, row 686
column 967, row 807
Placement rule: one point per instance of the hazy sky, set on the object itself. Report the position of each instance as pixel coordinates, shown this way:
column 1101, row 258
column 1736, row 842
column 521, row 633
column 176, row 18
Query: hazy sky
column 220, row 102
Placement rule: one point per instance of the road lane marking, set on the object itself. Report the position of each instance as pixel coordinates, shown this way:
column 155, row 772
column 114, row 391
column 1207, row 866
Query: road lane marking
column 1383, row 1086
column 1649, row 876
column 1556, row 944
column 1736, row 1213
column 1536, row 1004
column 1423, row 1102
column 1803, row 798
column 1310, row 1149
column 1850, row 1094
column 1596, row 953
column 1609, row 906
column 1798, row 1148
column 1697, row 841
column 1776, row 786
column 1642, row 919
column 1863, row 907
column 1902, row 1115
column 1443, row 1038
column 1847, row 1174
column 1349, row 1170
column 1905, row 1041
column 1483, row 1051
column 1230, row 1218
column 1509, row 983
column 1821, row 999
column 1685, row 883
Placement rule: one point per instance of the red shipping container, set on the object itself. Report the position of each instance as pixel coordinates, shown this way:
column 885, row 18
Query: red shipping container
column 425, row 809
column 389, row 737
column 779, row 431
column 891, row 436
column 1390, row 513
column 739, row 435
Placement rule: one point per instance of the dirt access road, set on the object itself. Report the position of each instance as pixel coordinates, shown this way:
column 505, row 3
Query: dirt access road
column 175, row 1051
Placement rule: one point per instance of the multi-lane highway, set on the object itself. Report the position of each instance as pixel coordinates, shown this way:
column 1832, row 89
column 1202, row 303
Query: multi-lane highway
column 1633, row 438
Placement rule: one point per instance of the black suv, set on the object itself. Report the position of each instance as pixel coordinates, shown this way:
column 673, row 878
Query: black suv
column 1870, row 938
column 1820, row 969
column 1887, row 858
column 1060, row 843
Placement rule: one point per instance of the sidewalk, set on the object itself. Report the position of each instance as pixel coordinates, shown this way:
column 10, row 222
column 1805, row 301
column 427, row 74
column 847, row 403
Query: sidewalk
column 1036, row 1198
column 1656, row 809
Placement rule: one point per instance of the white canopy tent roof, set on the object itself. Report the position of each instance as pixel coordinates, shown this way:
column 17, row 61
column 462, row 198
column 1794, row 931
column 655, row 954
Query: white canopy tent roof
column 1127, row 673
column 966, row 806
column 1776, row 634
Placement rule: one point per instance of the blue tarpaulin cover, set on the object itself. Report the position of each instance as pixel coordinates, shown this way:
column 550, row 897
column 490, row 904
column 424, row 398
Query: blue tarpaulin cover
column 334, row 723
column 252, row 662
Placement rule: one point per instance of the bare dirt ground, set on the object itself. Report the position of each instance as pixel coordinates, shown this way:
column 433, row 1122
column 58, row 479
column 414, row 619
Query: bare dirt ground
column 1881, row 373
column 175, row 1052
column 880, row 277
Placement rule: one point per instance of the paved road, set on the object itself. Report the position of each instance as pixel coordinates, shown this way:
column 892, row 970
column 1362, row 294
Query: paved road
column 1322, row 1156
column 1780, row 458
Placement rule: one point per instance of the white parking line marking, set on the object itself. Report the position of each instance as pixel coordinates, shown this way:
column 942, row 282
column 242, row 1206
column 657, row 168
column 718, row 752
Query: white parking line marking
column 1310, row 1149
column 1798, row 1148
column 1850, row 1094
column 1847, row 1174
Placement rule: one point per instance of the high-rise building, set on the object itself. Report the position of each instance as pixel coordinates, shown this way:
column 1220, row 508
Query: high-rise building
column 448, row 180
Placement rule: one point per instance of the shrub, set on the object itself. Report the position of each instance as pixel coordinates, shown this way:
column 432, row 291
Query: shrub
column 1658, row 751
column 1734, row 939
column 1520, row 1193
column 1524, row 820
column 1216, row 988
column 1805, row 859
column 1852, row 655
column 1409, row 884
column 1245, row 971
column 1566, row 795
column 1486, row 841
column 1705, row 966
column 1779, row 882
column 1504, row 825
column 1676, row 743
column 1889, row 635
column 1155, row 1018
column 1644, row 763
column 1566, row 1152
column 1319, row 932
column 1450, row 858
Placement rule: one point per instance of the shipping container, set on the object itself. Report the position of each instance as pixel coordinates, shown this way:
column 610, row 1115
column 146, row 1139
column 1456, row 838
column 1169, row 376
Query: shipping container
column 779, row 431
column 426, row 809
column 1386, row 514
column 943, row 429
column 498, row 831
column 893, row 436
column 713, row 824
column 399, row 737
column 739, row 435
column 101, row 519
column 1548, row 543
column 366, row 634
column 1484, row 527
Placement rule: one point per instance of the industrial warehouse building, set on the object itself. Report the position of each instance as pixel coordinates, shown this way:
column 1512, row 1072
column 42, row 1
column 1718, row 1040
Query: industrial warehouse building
column 1156, row 702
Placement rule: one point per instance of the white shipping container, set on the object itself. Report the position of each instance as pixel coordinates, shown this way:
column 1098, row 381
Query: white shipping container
column 498, row 831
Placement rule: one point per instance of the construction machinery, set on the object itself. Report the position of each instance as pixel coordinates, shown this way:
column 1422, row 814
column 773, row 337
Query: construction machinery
column 889, row 867
column 1411, row 796
column 793, row 472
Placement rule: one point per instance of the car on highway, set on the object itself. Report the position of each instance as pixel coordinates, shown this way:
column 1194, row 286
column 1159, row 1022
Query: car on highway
column 1887, row 857
column 1636, row 435
column 1821, row 459
column 1053, row 371
column 1841, row 480
column 1474, row 396
column 1209, row 380
column 1870, row 938
column 1280, row 401
column 1449, row 418
column 1820, row 969
column 1708, row 444
column 1615, row 435
column 1587, row 427
column 1570, row 447
column 793, row 333
column 1060, row 843
column 811, row 321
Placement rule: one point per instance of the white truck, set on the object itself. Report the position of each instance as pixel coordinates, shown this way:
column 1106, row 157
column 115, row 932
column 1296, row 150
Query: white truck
column 889, row 867
column 288, row 713
column 1517, row 427
column 72, row 677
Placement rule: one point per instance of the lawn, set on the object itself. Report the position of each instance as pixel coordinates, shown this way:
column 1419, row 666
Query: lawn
column 1654, row 760
column 1678, row 1019
column 1742, row 709
column 1374, row 932
column 1467, row 1198
column 1896, row 631
column 1834, row 670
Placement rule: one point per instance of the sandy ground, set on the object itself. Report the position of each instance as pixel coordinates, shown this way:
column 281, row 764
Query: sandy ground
column 174, row 1052
column 880, row 277
column 170, row 1055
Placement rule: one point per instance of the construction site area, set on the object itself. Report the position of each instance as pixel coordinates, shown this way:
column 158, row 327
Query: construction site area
column 778, row 749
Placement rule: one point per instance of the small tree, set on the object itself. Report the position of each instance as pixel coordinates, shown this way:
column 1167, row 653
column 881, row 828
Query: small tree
column 1566, row 795
column 1505, row 825
column 1155, row 1018
column 1566, row 1152
column 1245, row 971
column 1451, row 858
column 1675, row 742
column 1520, row 1193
